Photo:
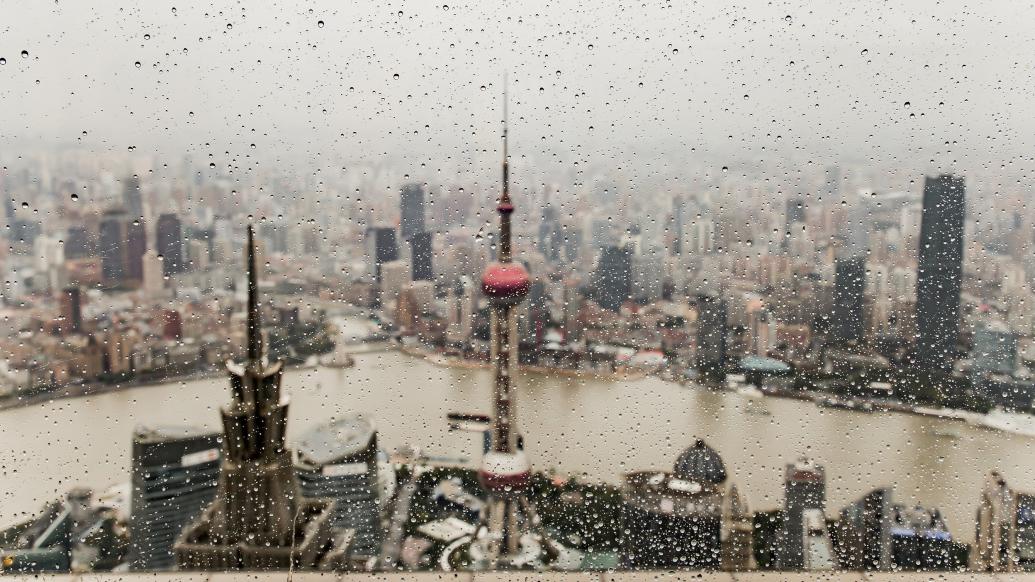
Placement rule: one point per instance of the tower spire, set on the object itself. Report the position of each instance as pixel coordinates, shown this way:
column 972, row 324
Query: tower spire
column 254, row 317
column 505, row 471
column 505, row 207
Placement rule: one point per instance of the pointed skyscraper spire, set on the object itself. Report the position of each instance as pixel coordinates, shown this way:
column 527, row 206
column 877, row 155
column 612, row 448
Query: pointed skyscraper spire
column 258, row 519
column 254, row 317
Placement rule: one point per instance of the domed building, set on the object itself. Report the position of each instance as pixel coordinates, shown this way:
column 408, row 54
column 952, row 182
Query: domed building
column 690, row 518
column 700, row 464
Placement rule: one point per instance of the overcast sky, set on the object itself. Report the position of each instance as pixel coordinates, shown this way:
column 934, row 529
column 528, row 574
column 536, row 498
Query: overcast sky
column 825, row 81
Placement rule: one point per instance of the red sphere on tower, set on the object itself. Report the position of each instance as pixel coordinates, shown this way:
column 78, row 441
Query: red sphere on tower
column 505, row 283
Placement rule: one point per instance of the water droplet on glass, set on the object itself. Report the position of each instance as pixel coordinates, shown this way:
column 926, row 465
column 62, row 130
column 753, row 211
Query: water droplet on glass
column 319, row 23
column 137, row 64
column 3, row 61
column 75, row 197
column 25, row 54
column 725, row 169
column 395, row 76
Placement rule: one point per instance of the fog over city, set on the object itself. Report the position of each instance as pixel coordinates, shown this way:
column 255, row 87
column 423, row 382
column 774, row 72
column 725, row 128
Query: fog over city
column 649, row 88
column 544, row 286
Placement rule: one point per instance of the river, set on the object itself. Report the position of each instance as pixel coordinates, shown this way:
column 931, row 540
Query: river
column 597, row 428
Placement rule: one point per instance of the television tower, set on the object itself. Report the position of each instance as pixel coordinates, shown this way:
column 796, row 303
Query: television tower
column 512, row 536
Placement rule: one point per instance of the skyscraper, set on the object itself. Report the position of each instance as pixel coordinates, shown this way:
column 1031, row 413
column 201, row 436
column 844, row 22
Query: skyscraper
column 381, row 249
column 169, row 240
column 136, row 246
column 78, row 243
column 132, row 201
column 72, row 309
column 259, row 519
column 804, row 488
column 847, row 324
column 174, row 475
column 940, row 272
column 412, row 210
column 612, row 280
column 338, row 460
column 112, row 247
column 711, row 334
column 421, row 256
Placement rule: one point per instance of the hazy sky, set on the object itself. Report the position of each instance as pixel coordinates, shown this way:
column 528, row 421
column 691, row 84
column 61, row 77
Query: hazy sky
column 824, row 81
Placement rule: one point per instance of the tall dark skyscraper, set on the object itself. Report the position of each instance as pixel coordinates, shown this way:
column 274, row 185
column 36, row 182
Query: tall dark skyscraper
column 169, row 239
column 940, row 272
column 136, row 246
column 612, row 280
column 412, row 210
column 847, row 325
column 381, row 248
column 421, row 256
column 111, row 245
column 711, row 333
column 72, row 309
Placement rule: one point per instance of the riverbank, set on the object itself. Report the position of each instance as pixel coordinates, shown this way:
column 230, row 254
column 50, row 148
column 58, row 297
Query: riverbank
column 457, row 362
column 87, row 389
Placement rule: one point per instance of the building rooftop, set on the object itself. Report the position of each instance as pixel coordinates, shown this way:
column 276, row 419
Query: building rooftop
column 700, row 464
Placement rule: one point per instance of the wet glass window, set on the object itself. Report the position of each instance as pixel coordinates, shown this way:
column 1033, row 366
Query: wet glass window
column 614, row 289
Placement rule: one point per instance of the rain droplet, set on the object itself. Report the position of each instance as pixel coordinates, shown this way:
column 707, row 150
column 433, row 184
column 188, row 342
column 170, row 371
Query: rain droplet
column 906, row 105
column 725, row 169
column 864, row 52
column 25, row 54
column 75, row 197
column 395, row 76
column 137, row 64
column 3, row 61
column 319, row 23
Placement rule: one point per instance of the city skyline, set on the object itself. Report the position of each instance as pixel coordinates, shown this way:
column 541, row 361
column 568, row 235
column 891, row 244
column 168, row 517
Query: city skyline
column 603, row 288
